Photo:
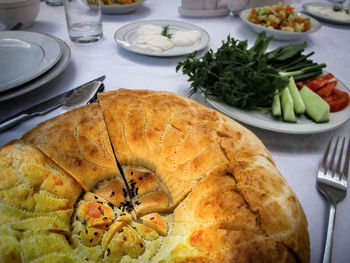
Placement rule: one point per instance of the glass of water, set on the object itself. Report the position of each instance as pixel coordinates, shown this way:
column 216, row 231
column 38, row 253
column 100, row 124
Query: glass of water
column 84, row 21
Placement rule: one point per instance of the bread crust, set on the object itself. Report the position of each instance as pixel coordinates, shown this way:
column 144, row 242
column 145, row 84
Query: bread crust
column 205, row 186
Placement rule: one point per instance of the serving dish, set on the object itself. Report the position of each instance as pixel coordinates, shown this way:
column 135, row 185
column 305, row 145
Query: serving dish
column 322, row 16
column 25, row 56
column 19, row 11
column 42, row 79
column 266, row 121
column 117, row 9
column 220, row 11
column 278, row 34
column 125, row 36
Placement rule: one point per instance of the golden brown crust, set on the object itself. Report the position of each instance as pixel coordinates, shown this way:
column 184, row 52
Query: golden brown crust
column 206, row 188
column 78, row 142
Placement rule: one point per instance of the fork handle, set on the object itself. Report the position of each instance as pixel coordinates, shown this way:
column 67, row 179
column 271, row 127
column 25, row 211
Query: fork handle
column 327, row 255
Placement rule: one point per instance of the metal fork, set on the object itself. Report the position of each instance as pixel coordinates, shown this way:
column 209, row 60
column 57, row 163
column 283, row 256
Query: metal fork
column 332, row 183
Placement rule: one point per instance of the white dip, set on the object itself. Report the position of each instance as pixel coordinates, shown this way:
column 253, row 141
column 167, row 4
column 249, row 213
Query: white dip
column 149, row 29
column 329, row 12
column 153, row 42
column 185, row 38
column 149, row 37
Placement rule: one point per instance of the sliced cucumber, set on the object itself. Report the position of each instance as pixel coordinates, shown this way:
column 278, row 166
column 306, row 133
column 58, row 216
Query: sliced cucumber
column 287, row 106
column 316, row 107
column 276, row 106
column 299, row 106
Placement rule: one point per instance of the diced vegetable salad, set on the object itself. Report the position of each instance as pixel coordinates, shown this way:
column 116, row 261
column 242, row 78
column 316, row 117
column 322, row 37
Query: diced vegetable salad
column 113, row 2
column 279, row 17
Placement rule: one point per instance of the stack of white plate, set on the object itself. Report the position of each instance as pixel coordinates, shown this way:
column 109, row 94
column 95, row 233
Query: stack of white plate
column 29, row 60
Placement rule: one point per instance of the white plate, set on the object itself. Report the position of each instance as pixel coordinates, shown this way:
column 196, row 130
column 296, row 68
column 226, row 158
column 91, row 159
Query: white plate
column 266, row 121
column 43, row 79
column 324, row 17
column 221, row 11
column 279, row 34
column 125, row 35
column 25, row 56
column 117, row 9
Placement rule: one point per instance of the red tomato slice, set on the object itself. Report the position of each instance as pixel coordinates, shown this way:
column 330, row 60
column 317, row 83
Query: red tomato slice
column 319, row 81
column 315, row 83
column 327, row 89
column 338, row 100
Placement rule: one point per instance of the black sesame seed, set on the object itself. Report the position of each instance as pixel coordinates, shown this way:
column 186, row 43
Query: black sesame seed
column 120, row 230
column 95, row 197
column 137, row 190
column 100, row 202
column 151, row 218
column 112, row 194
column 91, row 240
column 140, row 178
column 125, row 194
column 84, row 222
column 108, row 252
column 124, row 237
column 99, row 207
column 76, row 218
column 96, row 233
column 102, row 212
column 105, row 218
column 86, row 231
column 111, row 205
column 122, row 214
column 137, row 203
column 86, row 259
column 132, row 173
column 141, row 245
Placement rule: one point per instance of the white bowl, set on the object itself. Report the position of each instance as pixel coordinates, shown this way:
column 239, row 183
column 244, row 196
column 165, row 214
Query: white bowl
column 279, row 34
column 19, row 11
column 117, row 9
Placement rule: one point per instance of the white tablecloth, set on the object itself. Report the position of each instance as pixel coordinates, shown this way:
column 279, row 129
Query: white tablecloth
column 296, row 156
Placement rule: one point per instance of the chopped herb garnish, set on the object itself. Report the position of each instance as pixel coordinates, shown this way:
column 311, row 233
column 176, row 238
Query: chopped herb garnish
column 165, row 31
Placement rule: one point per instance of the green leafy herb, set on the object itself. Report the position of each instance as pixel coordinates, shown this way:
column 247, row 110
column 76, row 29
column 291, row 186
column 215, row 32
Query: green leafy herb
column 165, row 31
column 246, row 78
column 337, row 8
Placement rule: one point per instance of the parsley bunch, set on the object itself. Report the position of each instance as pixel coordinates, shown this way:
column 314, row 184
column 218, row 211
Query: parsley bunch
column 241, row 77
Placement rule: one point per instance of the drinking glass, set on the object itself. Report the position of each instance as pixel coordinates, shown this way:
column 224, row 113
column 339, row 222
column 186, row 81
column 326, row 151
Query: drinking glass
column 84, row 21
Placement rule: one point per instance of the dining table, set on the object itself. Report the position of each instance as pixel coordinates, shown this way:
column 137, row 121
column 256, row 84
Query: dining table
column 297, row 156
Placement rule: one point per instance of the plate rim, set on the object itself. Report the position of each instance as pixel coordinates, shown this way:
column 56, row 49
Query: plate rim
column 325, row 19
column 246, row 118
column 281, row 35
column 118, row 34
column 44, row 78
column 33, row 37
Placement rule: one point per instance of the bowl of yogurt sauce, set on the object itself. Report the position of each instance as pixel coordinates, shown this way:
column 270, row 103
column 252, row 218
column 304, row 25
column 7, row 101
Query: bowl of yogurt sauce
column 327, row 13
column 162, row 37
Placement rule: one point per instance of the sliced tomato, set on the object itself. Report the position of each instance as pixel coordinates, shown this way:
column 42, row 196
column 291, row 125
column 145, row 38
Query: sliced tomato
column 327, row 89
column 315, row 83
column 338, row 100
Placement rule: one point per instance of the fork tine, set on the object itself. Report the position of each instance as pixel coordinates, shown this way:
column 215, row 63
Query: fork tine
column 346, row 164
column 338, row 173
column 330, row 167
column 325, row 155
